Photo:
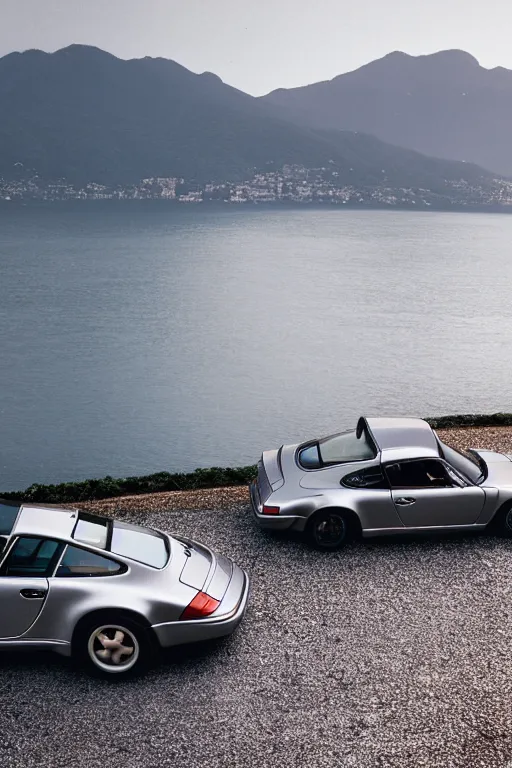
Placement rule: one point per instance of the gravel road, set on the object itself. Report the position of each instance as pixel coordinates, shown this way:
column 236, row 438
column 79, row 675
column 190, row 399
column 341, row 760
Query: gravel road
column 389, row 653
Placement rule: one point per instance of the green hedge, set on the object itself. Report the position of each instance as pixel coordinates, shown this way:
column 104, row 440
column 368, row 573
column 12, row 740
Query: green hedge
column 472, row 420
column 87, row 490
column 214, row 477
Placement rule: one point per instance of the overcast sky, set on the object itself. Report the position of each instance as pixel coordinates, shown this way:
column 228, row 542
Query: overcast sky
column 258, row 45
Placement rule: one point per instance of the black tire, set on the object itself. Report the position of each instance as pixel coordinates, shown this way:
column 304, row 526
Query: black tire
column 502, row 523
column 329, row 529
column 113, row 645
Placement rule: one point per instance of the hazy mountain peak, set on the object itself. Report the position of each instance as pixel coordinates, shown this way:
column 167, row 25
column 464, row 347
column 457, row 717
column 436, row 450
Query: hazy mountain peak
column 31, row 53
column 394, row 55
column 78, row 50
column 452, row 56
column 449, row 57
column 402, row 65
column 75, row 50
column 212, row 76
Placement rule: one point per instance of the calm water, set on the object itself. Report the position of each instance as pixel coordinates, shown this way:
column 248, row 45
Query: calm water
column 139, row 339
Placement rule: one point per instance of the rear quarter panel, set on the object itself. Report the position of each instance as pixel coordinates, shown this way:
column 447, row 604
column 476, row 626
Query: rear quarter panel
column 373, row 507
column 498, row 484
column 157, row 596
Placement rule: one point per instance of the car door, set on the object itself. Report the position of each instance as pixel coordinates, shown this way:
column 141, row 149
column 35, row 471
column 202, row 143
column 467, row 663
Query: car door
column 24, row 583
column 426, row 493
column 370, row 498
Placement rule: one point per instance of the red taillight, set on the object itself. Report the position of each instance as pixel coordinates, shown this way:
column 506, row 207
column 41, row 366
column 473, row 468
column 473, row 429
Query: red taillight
column 270, row 510
column 201, row 606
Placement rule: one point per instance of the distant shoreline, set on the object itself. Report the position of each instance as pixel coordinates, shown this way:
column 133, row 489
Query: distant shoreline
column 174, row 205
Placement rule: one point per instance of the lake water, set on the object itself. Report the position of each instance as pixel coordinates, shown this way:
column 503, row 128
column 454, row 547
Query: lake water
column 140, row 338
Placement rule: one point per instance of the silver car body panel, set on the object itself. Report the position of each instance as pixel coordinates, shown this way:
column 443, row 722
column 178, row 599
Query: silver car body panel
column 273, row 469
column 390, row 433
column 48, row 617
column 223, row 621
column 58, row 523
column 300, row 492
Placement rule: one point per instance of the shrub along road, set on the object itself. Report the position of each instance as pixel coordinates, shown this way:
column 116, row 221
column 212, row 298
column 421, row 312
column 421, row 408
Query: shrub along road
column 389, row 653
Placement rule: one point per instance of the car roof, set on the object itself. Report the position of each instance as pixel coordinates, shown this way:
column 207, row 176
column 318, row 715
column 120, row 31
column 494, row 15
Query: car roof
column 399, row 439
column 45, row 521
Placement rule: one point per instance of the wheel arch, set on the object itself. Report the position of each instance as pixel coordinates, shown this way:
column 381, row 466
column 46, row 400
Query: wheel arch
column 503, row 508
column 105, row 614
column 356, row 529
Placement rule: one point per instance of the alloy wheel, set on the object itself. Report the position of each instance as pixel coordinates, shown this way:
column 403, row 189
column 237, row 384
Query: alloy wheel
column 330, row 531
column 113, row 648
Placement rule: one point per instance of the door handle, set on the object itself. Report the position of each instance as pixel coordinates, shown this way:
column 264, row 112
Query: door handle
column 33, row 594
column 405, row 501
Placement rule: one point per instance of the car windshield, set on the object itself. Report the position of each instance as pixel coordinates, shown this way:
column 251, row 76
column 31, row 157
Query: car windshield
column 141, row 544
column 345, row 447
column 465, row 463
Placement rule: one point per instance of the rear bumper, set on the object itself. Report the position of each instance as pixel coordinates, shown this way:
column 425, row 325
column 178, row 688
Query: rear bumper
column 272, row 522
column 223, row 622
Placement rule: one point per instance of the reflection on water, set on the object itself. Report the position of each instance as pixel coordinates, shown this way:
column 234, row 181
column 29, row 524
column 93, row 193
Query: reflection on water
column 144, row 338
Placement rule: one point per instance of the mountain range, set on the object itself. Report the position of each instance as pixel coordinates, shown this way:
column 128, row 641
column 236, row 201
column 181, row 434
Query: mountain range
column 444, row 104
column 83, row 114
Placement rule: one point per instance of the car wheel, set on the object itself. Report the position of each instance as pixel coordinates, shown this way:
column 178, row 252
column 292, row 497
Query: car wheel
column 504, row 522
column 115, row 647
column 328, row 529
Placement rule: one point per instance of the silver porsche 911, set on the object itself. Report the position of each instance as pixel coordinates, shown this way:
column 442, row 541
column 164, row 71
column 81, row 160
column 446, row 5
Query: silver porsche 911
column 109, row 593
column 388, row 476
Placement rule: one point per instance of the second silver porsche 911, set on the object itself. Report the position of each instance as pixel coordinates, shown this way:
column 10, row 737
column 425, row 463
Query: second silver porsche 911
column 387, row 476
column 109, row 593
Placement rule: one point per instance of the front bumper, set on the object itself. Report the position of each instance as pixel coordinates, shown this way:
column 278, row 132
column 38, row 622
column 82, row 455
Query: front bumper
column 223, row 622
column 273, row 522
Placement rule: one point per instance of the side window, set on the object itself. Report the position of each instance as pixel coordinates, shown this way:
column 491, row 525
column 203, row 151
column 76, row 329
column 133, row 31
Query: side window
column 427, row 473
column 81, row 562
column 309, row 458
column 32, row 557
column 372, row 477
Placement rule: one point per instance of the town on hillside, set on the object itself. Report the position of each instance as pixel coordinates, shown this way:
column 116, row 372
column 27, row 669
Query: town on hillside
column 290, row 184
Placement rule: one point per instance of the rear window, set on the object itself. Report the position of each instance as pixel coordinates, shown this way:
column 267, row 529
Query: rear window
column 337, row 449
column 91, row 529
column 140, row 544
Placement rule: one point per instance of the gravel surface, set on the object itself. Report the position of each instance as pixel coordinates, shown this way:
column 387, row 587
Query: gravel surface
column 389, row 653
column 490, row 438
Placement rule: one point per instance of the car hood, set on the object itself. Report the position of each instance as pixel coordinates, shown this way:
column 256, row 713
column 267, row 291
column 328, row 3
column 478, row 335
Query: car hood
column 499, row 468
